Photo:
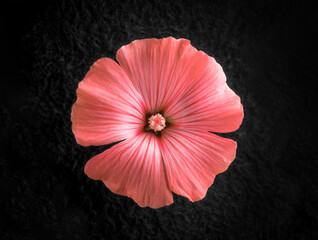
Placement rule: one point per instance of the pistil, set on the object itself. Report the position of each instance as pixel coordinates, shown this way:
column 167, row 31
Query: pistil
column 157, row 122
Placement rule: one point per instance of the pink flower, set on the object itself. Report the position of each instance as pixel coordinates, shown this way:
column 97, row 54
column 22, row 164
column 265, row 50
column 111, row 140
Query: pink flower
column 161, row 99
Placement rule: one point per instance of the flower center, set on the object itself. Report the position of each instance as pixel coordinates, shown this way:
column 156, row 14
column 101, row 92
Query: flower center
column 157, row 122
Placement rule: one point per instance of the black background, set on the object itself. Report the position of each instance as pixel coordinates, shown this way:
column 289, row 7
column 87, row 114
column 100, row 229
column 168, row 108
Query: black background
column 266, row 49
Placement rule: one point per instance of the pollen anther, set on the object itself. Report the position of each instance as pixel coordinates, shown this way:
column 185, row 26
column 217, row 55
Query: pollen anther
column 157, row 122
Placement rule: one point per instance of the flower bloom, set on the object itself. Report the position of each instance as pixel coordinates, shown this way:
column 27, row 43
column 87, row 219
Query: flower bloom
column 161, row 99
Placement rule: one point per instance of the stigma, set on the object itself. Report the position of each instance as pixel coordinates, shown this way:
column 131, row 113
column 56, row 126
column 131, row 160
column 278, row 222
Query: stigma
column 157, row 122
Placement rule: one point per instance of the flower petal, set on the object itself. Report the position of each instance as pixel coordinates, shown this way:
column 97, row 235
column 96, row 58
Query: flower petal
column 108, row 108
column 157, row 68
column 192, row 160
column 133, row 168
column 187, row 85
column 207, row 103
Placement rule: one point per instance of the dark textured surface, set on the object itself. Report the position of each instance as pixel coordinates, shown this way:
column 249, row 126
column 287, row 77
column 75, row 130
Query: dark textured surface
column 266, row 49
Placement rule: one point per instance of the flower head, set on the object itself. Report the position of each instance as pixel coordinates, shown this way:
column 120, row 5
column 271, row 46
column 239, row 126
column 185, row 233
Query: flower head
column 161, row 99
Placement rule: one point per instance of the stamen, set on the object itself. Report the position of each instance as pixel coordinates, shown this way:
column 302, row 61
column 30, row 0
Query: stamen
column 157, row 122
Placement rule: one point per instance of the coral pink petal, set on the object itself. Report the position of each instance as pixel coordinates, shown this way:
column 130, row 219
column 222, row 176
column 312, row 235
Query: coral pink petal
column 187, row 85
column 207, row 103
column 108, row 107
column 157, row 68
column 133, row 168
column 192, row 160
